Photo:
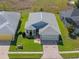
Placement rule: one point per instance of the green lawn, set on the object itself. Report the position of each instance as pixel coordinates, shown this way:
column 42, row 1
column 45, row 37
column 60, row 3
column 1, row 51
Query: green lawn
column 68, row 43
column 28, row 44
column 26, row 56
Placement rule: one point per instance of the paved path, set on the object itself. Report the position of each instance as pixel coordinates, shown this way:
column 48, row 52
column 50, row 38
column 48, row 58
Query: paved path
column 25, row 53
column 4, row 47
column 4, row 52
column 63, row 52
column 51, row 52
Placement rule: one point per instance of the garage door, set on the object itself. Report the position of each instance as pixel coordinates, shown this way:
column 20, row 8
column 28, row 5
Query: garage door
column 5, row 42
column 49, row 42
column 49, row 39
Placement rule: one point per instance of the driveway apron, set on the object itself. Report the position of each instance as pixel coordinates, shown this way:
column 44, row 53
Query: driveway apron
column 4, row 48
column 51, row 52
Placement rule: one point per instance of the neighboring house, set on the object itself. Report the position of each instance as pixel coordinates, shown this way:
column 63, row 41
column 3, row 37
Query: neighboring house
column 8, row 25
column 71, row 17
column 43, row 25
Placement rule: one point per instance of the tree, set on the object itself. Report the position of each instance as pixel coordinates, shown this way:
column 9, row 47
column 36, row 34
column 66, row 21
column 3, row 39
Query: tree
column 77, row 3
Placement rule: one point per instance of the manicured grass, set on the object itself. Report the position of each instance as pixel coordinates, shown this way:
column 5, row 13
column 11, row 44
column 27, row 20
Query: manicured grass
column 68, row 43
column 28, row 44
column 27, row 56
column 24, row 19
column 70, row 55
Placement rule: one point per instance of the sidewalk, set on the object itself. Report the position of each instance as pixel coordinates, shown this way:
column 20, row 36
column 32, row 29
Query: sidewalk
column 4, row 52
column 63, row 52
column 25, row 52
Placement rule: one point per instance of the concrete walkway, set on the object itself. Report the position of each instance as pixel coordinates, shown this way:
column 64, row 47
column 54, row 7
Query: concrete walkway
column 25, row 52
column 4, row 52
column 61, row 52
column 4, row 47
column 64, row 52
column 51, row 52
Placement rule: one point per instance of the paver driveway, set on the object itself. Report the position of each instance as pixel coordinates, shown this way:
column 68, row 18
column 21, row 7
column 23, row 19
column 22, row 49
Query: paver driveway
column 4, row 48
column 51, row 52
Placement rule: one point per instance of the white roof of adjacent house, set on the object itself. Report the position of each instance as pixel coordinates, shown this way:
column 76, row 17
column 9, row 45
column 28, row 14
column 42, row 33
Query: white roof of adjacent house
column 9, row 22
column 41, row 20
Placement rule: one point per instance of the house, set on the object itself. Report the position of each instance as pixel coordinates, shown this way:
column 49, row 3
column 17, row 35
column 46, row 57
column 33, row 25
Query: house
column 8, row 25
column 42, row 25
column 71, row 17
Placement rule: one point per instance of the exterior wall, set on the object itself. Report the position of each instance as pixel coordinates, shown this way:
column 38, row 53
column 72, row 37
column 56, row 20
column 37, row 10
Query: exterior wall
column 28, row 33
column 6, row 37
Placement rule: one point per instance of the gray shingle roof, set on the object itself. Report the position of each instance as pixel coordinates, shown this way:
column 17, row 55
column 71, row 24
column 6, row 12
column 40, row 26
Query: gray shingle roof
column 10, row 22
column 72, row 13
column 2, row 20
column 49, row 18
column 75, row 12
column 48, row 30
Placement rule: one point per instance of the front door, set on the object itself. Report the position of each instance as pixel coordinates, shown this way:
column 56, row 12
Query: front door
column 30, row 32
column 37, row 33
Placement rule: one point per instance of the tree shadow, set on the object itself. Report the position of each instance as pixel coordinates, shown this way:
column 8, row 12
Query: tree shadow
column 72, row 35
column 16, row 35
column 60, row 42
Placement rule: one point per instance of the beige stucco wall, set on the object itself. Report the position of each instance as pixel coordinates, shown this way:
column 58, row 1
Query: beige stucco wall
column 6, row 37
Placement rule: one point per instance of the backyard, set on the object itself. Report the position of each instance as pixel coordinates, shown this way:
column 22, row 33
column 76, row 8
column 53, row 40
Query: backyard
column 33, row 5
